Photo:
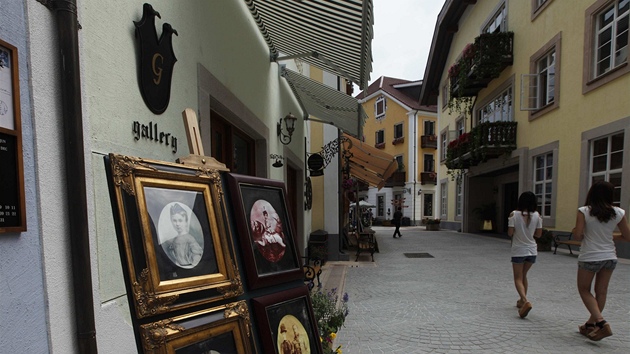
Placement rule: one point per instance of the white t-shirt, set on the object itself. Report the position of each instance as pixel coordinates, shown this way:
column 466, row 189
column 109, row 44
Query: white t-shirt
column 598, row 244
column 523, row 243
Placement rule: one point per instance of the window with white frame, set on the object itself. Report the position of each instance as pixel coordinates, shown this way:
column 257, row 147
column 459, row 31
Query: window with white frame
column 445, row 90
column 539, row 88
column 443, row 200
column 498, row 109
column 460, row 127
column 611, row 36
column 606, row 157
column 459, row 198
column 379, row 108
column 498, row 22
column 380, row 136
column 398, row 131
column 543, row 178
column 429, row 127
column 444, row 143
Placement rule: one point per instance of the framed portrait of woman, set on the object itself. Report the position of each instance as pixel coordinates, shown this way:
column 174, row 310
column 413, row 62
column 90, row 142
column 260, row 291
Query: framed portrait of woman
column 286, row 322
column 265, row 232
column 222, row 329
column 172, row 234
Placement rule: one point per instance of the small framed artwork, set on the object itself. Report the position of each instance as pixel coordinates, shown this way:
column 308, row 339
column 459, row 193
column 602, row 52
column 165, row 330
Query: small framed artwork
column 172, row 234
column 223, row 329
column 286, row 323
column 12, row 198
column 265, row 231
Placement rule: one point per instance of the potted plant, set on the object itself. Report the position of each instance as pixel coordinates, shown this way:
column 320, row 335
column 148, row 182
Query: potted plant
column 431, row 224
column 330, row 317
column 544, row 241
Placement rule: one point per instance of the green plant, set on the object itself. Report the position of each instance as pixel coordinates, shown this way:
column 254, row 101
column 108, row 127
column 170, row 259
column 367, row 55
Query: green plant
column 545, row 240
column 330, row 316
column 430, row 221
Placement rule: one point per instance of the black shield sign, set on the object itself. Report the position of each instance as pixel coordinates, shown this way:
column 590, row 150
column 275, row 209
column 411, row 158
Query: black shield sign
column 157, row 59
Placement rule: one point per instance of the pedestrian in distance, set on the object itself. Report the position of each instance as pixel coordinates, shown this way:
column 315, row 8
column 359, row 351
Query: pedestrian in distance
column 594, row 226
column 397, row 219
column 524, row 224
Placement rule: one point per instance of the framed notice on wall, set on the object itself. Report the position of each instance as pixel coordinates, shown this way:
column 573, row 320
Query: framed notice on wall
column 12, row 205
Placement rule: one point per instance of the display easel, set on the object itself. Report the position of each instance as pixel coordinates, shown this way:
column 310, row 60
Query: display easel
column 197, row 156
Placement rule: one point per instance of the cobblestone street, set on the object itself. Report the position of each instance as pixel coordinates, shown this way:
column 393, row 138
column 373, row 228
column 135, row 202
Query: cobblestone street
column 463, row 299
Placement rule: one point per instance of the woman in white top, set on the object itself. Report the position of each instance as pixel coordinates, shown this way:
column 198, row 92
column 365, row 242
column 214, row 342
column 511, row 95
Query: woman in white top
column 594, row 226
column 524, row 224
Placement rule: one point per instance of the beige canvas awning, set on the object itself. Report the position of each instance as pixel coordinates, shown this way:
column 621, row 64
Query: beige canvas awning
column 370, row 164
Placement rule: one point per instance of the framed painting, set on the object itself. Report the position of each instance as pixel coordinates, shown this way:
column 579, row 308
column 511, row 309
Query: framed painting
column 265, row 231
column 172, row 234
column 223, row 329
column 12, row 198
column 286, row 322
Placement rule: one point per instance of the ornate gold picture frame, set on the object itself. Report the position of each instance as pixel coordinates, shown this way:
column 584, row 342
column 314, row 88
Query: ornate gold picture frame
column 222, row 329
column 172, row 234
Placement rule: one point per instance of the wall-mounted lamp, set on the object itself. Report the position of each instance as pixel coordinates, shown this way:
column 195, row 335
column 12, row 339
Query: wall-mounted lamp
column 408, row 190
column 278, row 159
column 419, row 191
column 289, row 125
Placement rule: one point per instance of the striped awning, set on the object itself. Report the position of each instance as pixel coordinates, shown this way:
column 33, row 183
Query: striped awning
column 334, row 35
column 370, row 164
column 325, row 104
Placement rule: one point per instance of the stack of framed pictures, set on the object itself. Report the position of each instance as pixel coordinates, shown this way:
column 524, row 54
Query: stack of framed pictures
column 178, row 234
column 284, row 316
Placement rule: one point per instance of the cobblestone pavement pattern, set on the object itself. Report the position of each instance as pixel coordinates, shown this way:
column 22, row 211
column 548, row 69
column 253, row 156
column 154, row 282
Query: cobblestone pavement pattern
column 463, row 300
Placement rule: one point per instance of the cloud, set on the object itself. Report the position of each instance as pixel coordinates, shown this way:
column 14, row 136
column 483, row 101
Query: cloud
column 403, row 30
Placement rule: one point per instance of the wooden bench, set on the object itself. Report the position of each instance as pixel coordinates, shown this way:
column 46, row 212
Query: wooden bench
column 565, row 239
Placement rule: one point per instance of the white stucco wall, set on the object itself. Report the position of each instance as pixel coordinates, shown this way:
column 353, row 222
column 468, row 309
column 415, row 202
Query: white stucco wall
column 22, row 303
column 219, row 35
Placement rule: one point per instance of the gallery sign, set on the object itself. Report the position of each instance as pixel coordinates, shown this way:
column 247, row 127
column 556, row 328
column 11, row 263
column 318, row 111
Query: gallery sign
column 156, row 60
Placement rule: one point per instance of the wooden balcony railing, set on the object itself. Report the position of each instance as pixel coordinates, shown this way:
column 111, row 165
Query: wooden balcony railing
column 428, row 177
column 428, row 142
column 485, row 141
column 397, row 179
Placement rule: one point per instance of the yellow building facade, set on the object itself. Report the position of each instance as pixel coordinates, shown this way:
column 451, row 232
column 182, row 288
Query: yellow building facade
column 403, row 128
column 542, row 89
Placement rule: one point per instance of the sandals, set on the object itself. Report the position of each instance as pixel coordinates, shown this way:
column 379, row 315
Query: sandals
column 601, row 331
column 519, row 303
column 525, row 309
column 586, row 328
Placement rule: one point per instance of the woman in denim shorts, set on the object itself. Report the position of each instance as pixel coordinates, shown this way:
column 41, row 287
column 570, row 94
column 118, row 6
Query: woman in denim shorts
column 594, row 226
column 524, row 224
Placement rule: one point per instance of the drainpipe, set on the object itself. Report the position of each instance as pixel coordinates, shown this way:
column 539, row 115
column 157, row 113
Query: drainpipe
column 76, row 189
column 415, row 163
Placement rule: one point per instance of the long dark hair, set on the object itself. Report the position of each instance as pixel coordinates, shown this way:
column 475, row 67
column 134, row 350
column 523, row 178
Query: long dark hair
column 600, row 200
column 527, row 202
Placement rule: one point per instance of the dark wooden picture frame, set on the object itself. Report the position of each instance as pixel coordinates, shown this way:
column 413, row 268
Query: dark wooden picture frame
column 285, row 319
column 12, row 198
column 265, row 231
column 172, row 234
column 222, row 329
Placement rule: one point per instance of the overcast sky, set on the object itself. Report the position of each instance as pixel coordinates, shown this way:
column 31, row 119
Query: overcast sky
column 403, row 30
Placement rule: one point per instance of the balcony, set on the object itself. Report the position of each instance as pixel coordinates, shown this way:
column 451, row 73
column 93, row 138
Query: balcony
column 397, row 179
column 428, row 177
column 379, row 145
column 485, row 141
column 480, row 63
column 428, row 142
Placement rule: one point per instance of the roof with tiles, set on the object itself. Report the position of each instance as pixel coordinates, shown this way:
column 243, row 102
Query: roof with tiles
column 407, row 92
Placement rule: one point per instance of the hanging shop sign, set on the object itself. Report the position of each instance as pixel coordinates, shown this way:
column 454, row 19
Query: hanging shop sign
column 156, row 60
column 12, row 205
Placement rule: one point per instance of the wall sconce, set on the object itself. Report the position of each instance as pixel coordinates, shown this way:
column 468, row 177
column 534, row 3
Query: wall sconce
column 408, row 190
column 289, row 124
column 419, row 191
column 278, row 159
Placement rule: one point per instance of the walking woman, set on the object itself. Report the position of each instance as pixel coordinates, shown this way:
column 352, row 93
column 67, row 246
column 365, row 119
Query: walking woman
column 594, row 226
column 524, row 224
